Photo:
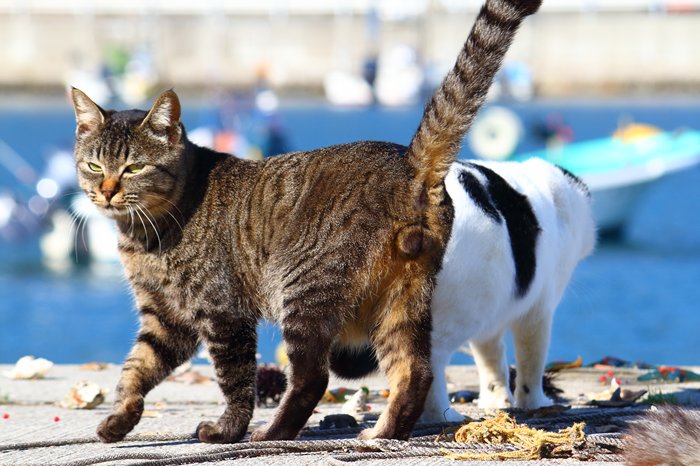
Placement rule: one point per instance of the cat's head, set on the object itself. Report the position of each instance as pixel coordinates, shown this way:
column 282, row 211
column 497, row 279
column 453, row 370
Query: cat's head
column 130, row 162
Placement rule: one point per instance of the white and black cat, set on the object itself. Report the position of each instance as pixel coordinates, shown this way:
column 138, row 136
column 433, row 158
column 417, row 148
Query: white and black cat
column 519, row 230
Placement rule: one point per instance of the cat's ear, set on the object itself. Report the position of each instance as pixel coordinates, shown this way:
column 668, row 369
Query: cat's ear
column 88, row 115
column 163, row 121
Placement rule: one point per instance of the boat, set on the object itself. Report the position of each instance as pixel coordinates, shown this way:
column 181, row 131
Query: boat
column 617, row 169
column 620, row 168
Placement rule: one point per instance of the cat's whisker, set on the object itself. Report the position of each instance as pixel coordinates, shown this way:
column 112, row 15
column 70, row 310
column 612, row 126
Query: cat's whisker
column 166, row 200
column 69, row 193
column 85, row 232
column 155, row 229
column 152, row 219
column 145, row 230
column 173, row 217
column 132, row 219
column 76, row 220
column 168, row 210
column 81, row 225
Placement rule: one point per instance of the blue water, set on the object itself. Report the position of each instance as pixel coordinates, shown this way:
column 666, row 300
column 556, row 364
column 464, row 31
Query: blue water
column 636, row 298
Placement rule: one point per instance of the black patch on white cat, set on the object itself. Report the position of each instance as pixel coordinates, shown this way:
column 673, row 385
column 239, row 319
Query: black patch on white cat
column 526, row 389
column 477, row 192
column 522, row 224
column 575, row 179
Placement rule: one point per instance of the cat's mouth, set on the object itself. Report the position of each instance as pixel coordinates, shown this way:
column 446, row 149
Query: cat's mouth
column 114, row 211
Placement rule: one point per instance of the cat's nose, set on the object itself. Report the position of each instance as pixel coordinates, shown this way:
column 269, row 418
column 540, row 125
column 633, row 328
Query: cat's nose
column 108, row 194
column 108, row 188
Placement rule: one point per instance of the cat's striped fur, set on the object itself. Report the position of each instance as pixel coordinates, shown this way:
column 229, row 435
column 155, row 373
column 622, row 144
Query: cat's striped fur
column 339, row 245
column 518, row 232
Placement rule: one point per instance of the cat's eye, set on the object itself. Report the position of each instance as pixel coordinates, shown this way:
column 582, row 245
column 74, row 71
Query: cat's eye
column 94, row 167
column 134, row 168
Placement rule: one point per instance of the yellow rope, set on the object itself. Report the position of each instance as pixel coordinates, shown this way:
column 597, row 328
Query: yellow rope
column 503, row 430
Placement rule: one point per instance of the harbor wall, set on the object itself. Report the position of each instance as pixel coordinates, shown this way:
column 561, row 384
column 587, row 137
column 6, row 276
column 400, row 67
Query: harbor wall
column 567, row 52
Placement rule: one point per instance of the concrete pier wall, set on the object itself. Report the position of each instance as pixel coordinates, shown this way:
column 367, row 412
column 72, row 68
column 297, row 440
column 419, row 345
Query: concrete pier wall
column 568, row 52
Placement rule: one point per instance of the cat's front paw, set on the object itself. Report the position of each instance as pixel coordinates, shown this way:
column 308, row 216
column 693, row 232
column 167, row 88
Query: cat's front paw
column 115, row 426
column 214, row 432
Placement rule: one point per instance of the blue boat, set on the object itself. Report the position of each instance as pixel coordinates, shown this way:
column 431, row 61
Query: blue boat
column 620, row 168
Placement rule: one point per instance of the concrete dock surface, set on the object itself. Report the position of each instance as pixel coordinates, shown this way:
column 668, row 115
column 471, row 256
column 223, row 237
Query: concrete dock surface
column 35, row 429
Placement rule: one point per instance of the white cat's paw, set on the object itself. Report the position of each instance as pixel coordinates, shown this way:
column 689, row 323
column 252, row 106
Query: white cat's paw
column 441, row 415
column 498, row 398
column 495, row 404
column 431, row 414
column 451, row 415
column 532, row 401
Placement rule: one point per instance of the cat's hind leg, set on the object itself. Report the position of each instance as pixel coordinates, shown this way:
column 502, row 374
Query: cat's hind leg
column 232, row 346
column 490, row 358
column 531, row 334
column 308, row 333
column 402, row 343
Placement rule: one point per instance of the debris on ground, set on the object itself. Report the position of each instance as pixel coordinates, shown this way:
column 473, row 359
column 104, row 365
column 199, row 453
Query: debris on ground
column 338, row 395
column 463, row 396
column 337, row 421
column 29, row 367
column 189, row 377
column 94, row 366
column 548, row 411
column 356, row 405
column 611, row 362
column 83, row 395
column 669, row 374
column 270, row 384
column 532, row 443
column 555, row 366
column 613, row 397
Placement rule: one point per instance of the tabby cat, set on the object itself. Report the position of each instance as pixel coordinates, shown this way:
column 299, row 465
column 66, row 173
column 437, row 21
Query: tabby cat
column 339, row 245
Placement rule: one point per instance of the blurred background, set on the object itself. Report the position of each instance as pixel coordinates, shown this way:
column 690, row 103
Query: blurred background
column 605, row 88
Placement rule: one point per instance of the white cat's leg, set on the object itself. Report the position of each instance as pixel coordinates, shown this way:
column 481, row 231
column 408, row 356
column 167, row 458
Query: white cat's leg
column 437, row 404
column 531, row 334
column 490, row 358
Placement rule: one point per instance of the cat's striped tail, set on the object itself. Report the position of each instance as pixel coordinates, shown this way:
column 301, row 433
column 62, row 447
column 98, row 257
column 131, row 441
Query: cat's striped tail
column 453, row 106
